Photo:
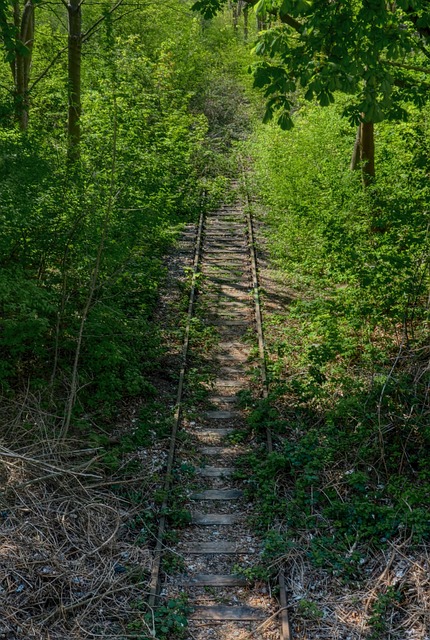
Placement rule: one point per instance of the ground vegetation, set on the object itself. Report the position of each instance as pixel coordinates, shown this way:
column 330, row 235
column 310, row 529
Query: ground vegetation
column 348, row 482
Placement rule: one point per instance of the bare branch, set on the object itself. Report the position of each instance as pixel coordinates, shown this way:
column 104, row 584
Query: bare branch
column 7, row 453
column 50, row 65
column 90, row 31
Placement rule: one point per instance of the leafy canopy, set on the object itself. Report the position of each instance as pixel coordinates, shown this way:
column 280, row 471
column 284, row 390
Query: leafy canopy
column 372, row 49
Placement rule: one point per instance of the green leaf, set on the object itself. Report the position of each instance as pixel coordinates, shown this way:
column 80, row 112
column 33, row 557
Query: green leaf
column 285, row 121
column 260, row 48
column 260, row 7
column 208, row 8
column 324, row 99
column 268, row 115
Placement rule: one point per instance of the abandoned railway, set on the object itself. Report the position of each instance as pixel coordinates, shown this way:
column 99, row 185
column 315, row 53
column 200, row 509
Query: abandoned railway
column 218, row 545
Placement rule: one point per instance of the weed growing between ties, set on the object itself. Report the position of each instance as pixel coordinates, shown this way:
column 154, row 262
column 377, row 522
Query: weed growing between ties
column 167, row 621
column 348, row 482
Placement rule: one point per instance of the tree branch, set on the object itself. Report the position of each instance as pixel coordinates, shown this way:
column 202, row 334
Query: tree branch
column 409, row 67
column 291, row 22
column 8, row 453
column 89, row 32
column 50, row 65
column 402, row 84
column 85, row 37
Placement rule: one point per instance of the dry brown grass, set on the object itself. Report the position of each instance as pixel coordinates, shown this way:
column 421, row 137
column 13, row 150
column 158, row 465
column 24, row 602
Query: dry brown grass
column 70, row 564
column 322, row 606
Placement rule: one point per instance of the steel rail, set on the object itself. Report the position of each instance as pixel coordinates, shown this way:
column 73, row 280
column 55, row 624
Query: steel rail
column 286, row 631
column 154, row 585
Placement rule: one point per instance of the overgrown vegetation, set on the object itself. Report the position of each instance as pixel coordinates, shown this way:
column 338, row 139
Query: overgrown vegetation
column 82, row 246
column 88, row 215
column 88, row 357
column 348, row 356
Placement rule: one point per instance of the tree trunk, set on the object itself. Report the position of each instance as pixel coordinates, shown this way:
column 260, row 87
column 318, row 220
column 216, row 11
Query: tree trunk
column 28, row 39
column 245, row 22
column 237, row 11
column 367, row 152
column 355, row 160
column 21, row 64
column 74, row 78
column 364, row 152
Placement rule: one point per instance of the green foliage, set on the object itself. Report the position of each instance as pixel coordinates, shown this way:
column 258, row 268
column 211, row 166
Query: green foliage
column 176, row 513
column 349, row 384
column 310, row 610
column 252, row 573
column 332, row 235
column 178, row 516
column 357, row 48
column 238, row 436
column 167, row 621
column 150, row 161
column 382, row 607
column 173, row 563
column 9, row 42
column 370, row 50
column 208, row 8
column 171, row 619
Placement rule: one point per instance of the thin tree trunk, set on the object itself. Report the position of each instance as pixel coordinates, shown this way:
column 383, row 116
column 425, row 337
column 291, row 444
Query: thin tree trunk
column 363, row 154
column 21, row 65
column 27, row 38
column 355, row 160
column 367, row 152
column 235, row 13
column 92, row 287
column 74, row 77
column 17, row 24
column 245, row 22
column 237, row 10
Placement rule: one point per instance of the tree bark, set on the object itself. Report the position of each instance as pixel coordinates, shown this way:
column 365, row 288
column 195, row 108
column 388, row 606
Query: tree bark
column 74, row 78
column 235, row 7
column 367, row 152
column 363, row 154
column 21, row 64
column 355, row 160
column 245, row 22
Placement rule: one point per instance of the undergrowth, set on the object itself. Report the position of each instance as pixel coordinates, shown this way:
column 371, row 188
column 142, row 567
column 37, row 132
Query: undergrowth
column 88, row 368
column 348, row 355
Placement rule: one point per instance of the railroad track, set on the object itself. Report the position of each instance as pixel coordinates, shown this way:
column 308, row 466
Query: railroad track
column 218, row 545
